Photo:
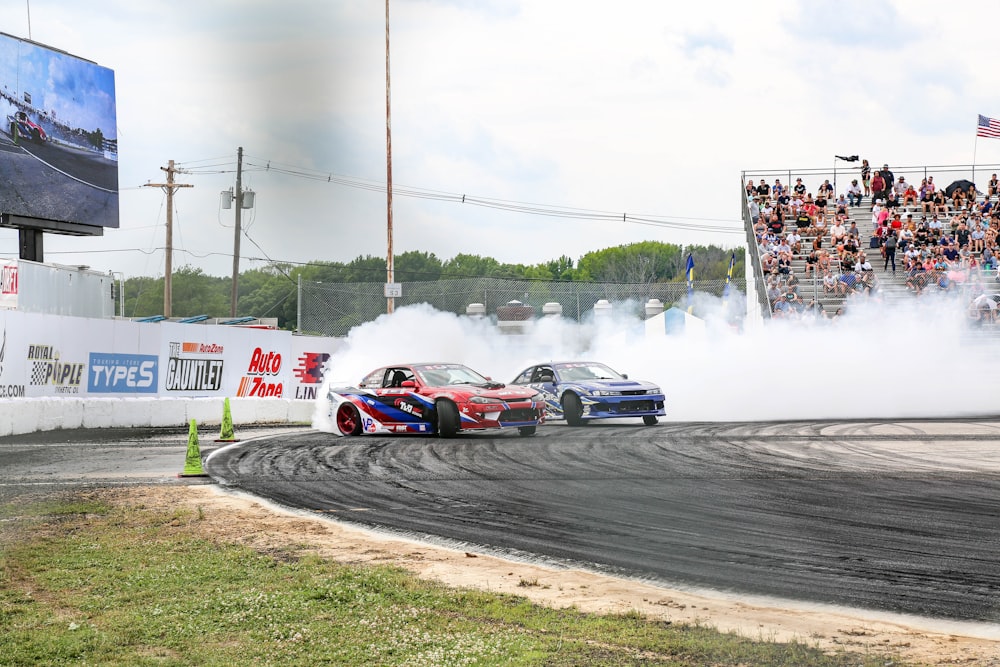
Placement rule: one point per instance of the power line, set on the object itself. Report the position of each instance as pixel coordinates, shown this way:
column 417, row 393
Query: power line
column 526, row 208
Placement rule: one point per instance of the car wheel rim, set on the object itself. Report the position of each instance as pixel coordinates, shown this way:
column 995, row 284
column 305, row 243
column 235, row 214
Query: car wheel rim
column 345, row 419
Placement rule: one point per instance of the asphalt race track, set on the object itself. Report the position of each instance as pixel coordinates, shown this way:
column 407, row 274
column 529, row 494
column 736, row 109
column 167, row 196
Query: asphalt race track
column 899, row 517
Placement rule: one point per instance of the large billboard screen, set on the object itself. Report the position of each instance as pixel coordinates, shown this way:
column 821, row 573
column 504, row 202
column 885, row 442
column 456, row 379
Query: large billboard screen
column 58, row 138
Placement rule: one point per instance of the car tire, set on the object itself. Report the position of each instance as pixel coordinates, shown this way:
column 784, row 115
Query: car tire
column 572, row 409
column 650, row 420
column 527, row 430
column 447, row 419
column 348, row 419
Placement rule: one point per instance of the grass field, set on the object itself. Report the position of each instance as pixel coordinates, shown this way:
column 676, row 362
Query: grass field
column 88, row 581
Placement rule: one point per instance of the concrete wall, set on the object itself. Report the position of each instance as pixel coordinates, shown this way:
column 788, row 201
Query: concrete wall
column 46, row 414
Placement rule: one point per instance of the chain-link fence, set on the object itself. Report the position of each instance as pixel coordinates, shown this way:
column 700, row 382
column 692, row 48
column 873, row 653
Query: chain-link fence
column 332, row 309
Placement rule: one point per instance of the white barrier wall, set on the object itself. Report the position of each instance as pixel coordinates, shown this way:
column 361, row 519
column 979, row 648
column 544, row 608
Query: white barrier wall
column 69, row 372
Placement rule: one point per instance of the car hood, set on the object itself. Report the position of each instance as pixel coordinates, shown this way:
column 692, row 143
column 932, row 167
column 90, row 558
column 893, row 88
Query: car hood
column 508, row 393
column 616, row 385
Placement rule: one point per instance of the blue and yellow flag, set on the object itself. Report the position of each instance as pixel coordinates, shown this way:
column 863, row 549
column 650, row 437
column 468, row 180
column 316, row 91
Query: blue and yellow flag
column 690, row 281
column 729, row 275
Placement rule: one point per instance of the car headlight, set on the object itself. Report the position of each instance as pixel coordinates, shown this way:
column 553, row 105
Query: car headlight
column 483, row 400
column 605, row 392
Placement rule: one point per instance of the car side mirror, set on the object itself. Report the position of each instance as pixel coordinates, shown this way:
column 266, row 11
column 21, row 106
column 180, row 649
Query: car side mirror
column 625, row 375
column 408, row 383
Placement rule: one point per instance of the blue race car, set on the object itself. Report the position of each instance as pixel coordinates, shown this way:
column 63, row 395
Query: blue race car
column 578, row 391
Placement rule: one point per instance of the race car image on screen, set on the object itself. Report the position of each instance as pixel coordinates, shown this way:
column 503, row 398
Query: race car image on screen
column 578, row 391
column 21, row 127
column 441, row 398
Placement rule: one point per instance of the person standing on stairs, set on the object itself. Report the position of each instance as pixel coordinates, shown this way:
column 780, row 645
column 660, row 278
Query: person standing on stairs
column 889, row 251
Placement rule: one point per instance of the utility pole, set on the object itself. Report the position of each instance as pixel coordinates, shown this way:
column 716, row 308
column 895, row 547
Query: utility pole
column 169, row 188
column 390, row 272
column 236, row 241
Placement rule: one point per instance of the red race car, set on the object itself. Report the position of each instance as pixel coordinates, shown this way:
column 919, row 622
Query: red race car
column 21, row 127
column 433, row 398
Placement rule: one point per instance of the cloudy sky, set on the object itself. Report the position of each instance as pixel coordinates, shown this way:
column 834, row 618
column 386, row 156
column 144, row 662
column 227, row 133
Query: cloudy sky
column 647, row 110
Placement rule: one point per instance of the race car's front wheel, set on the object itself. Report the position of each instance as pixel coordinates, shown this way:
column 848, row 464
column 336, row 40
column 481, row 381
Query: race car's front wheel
column 527, row 430
column 649, row 420
column 447, row 419
column 572, row 409
column 348, row 419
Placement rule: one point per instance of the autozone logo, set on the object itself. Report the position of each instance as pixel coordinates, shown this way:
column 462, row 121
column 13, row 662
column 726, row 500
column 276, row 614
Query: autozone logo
column 122, row 373
column 257, row 383
column 199, row 348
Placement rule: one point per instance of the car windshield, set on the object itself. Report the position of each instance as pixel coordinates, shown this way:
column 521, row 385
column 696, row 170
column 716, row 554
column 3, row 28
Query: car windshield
column 586, row 371
column 442, row 375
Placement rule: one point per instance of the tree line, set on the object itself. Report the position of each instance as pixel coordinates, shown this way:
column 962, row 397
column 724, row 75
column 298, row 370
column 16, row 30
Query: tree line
column 271, row 291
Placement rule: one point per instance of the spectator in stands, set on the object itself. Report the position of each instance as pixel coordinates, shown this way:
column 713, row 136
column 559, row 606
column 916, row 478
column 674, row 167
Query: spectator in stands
column 988, row 260
column 900, row 187
column 909, row 196
column 754, row 206
column 846, row 283
column 851, row 246
column 811, row 210
column 794, row 241
column 940, row 203
column 784, row 264
column 854, row 231
column 887, row 176
column 829, row 283
column 935, row 226
column 878, row 187
column 993, row 187
column 802, row 221
column 916, row 279
column 820, row 224
column 854, row 194
column 905, row 239
column 750, row 189
column 777, row 189
column 977, row 239
column 896, row 223
column 866, row 177
column 826, row 189
column 821, row 201
column 841, row 204
column 763, row 190
column 799, row 188
column 775, row 225
column 892, row 200
column 963, row 235
column 838, row 233
column 812, row 260
column 922, row 235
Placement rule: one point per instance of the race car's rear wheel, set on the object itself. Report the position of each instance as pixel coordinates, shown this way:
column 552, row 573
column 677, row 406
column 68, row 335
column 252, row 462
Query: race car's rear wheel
column 572, row 409
column 649, row 420
column 447, row 419
column 527, row 430
column 348, row 419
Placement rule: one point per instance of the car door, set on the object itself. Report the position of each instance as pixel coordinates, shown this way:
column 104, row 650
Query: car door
column 401, row 403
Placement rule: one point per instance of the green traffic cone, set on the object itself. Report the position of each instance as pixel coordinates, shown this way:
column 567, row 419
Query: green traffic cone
column 192, row 461
column 226, row 433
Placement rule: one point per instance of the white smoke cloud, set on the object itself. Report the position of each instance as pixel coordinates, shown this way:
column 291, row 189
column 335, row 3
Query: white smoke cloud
column 904, row 358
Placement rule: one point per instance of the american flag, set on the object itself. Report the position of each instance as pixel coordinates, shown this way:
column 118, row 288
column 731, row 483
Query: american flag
column 988, row 127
